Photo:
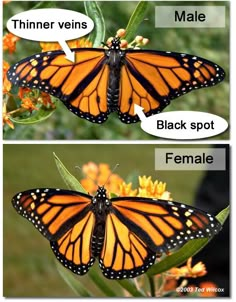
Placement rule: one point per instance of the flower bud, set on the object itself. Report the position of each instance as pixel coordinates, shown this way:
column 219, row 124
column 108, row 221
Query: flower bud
column 121, row 32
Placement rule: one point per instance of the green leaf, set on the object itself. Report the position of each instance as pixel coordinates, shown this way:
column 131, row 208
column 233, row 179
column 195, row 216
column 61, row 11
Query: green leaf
column 11, row 102
column 113, row 195
column 223, row 215
column 131, row 287
column 71, row 182
column 40, row 115
column 136, row 19
column 188, row 250
column 44, row 4
column 97, row 36
column 77, row 287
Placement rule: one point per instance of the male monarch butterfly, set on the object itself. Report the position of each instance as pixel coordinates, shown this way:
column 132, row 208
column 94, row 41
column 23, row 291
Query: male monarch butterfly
column 102, row 81
column 124, row 233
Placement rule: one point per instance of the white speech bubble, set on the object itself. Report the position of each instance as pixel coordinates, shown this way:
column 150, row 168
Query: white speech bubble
column 50, row 25
column 182, row 125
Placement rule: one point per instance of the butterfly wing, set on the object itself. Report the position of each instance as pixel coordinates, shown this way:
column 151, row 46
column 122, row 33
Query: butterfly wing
column 81, row 86
column 74, row 248
column 64, row 218
column 163, row 225
column 151, row 79
column 124, row 254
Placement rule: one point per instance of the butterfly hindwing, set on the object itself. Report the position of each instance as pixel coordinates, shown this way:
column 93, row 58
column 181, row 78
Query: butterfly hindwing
column 164, row 225
column 132, row 92
column 124, row 254
column 74, row 248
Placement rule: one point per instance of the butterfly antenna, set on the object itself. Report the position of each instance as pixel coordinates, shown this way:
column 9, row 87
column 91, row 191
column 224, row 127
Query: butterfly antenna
column 112, row 171
column 93, row 180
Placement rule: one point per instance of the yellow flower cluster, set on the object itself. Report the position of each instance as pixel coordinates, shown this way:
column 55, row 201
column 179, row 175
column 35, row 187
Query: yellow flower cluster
column 147, row 188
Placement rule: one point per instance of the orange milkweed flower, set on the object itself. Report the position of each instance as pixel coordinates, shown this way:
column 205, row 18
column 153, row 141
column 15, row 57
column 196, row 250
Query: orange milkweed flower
column 28, row 104
column 6, row 83
column 46, row 99
column 170, row 284
column 90, row 170
column 208, row 289
column 23, row 91
column 9, row 42
column 41, row 98
column 187, row 271
column 98, row 175
column 6, row 117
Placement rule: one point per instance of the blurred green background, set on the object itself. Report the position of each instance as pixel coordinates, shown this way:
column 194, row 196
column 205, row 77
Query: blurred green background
column 29, row 263
column 209, row 43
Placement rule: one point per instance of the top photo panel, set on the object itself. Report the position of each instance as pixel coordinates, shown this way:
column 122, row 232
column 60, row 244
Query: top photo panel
column 107, row 70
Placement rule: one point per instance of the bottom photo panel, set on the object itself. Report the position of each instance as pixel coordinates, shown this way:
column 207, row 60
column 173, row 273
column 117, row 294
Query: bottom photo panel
column 118, row 220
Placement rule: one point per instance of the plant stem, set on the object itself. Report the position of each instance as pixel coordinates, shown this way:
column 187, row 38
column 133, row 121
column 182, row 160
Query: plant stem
column 152, row 285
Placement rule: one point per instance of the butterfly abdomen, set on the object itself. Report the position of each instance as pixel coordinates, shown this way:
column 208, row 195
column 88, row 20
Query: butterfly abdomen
column 114, row 62
column 98, row 239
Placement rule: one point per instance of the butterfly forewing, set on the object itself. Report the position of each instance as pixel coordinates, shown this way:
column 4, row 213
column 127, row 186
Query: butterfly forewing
column 81, row 86
column 51, row 72
column 164, row 225
column 52, row 211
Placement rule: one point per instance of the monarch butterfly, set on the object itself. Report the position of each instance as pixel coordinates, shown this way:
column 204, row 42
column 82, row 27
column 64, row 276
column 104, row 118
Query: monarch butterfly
column 102, row 81
column 124, row 233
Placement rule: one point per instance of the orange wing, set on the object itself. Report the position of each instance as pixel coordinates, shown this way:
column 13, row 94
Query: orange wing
column 52, row 211
column 151, row 79
column 64, row 218
column 124, row 254
column 81, row 86
column 163, row 225
column 74, row 248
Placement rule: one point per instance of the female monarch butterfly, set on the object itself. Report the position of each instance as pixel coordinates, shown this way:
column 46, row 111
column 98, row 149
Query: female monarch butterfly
column 124, row 233
column 102, row 81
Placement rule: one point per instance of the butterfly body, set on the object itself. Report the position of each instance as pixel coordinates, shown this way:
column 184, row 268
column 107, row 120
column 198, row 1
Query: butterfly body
column 100, row 207
column 102, row 81
column 114, row 61
column 125, row 234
